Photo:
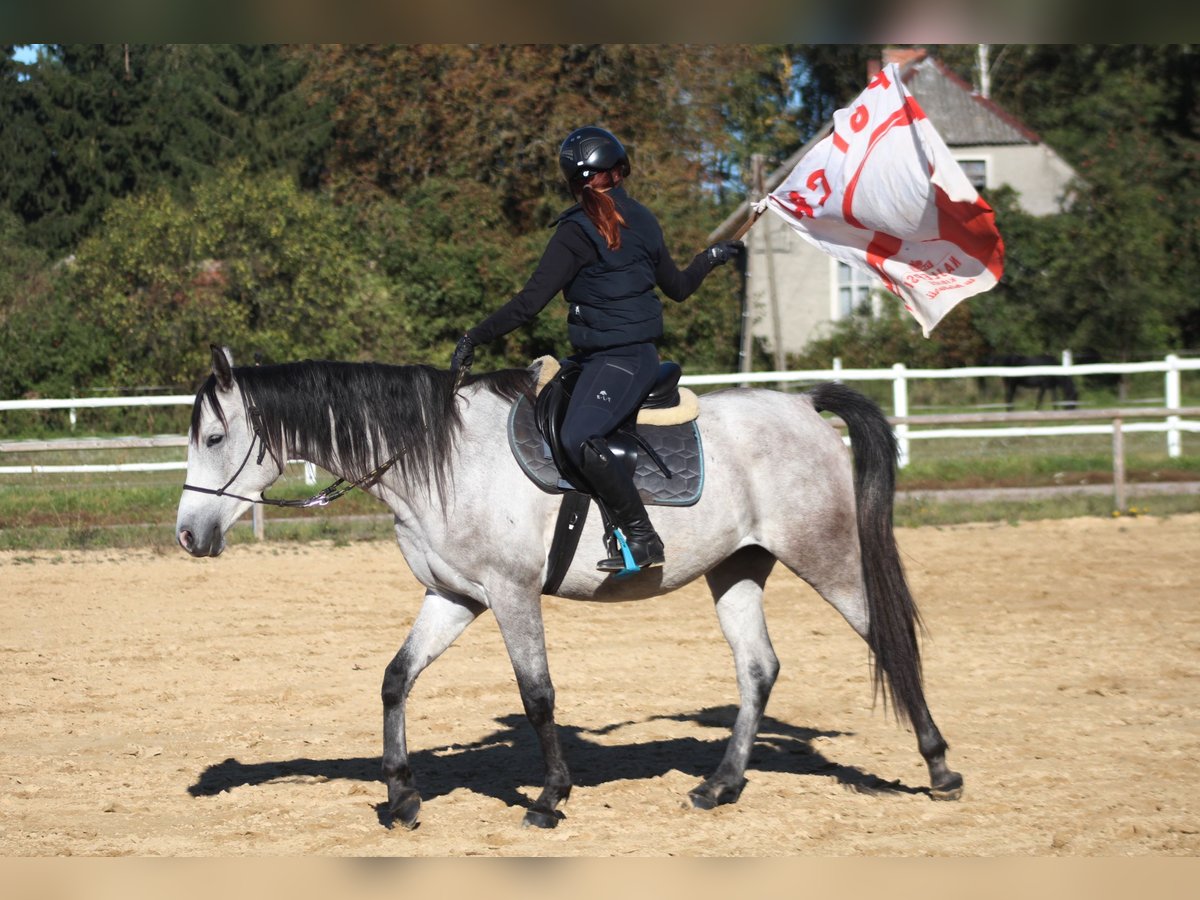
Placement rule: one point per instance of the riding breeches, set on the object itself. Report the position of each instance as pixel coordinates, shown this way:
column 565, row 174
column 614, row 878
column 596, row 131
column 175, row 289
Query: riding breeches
column 611, row 387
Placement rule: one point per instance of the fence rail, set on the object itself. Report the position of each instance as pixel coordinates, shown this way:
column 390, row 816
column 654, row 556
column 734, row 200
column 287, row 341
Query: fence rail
column 900, row 375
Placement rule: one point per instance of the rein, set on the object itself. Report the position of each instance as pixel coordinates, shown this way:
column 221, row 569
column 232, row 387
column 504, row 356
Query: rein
column 322, row 498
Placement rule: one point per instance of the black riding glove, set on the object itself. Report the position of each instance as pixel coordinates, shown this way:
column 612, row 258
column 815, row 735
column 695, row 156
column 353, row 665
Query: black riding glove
column 464, row 355
column 724, row 251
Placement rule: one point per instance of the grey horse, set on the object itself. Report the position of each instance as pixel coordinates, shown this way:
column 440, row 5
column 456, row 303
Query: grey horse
column 780, row 485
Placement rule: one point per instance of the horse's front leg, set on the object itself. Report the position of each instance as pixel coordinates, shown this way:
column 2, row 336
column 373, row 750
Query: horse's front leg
column 441, row 620
column 521, row 627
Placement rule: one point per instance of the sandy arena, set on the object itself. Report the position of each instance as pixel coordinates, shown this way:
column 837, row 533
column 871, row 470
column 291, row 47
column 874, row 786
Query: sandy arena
column 156, row 705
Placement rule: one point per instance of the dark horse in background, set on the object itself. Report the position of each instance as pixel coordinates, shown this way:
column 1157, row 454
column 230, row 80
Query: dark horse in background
column 1041, row 383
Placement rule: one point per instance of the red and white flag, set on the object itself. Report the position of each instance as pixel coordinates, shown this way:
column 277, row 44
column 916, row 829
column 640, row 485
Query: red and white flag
column 883, row 193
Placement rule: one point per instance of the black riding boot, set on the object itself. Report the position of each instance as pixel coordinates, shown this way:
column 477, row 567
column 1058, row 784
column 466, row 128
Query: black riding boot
column 613, row 486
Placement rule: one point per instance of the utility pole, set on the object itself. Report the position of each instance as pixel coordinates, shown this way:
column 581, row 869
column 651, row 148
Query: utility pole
column 747, row 343
column 760, row 191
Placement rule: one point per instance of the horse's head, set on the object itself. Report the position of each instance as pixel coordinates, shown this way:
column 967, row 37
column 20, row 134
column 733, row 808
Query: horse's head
column 228, row 466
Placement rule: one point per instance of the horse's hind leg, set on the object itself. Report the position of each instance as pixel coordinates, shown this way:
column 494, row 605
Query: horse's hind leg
column 440, row 621
column 737, row 587
column 847, row 596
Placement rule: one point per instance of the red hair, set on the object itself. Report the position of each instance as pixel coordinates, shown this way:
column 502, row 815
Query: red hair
column 601, row 208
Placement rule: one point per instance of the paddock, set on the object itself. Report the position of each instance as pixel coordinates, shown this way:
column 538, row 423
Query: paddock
column 158, row 705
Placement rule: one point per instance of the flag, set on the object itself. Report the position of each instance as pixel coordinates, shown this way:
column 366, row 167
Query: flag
column 881, row 192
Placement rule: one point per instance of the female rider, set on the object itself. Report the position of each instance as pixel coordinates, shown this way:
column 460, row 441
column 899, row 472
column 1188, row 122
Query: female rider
column 606, row 255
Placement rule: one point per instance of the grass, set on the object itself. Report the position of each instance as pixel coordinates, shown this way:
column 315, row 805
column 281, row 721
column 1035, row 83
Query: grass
column 1067, row 461
column 972, row 464
column 914, row 513
column 137, row 509
column 48, row 512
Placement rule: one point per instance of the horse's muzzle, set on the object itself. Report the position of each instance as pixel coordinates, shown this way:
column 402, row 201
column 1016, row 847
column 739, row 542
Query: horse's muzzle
column 200, row 545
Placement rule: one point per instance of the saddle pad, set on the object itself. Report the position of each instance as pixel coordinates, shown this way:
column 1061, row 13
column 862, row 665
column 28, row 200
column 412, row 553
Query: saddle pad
column 678, row 445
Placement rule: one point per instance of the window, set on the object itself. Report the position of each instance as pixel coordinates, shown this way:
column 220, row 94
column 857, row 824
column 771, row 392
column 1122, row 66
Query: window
column 853, row 291
column 976, row 171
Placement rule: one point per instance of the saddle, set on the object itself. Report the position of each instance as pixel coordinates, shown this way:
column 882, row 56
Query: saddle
column 661, row 447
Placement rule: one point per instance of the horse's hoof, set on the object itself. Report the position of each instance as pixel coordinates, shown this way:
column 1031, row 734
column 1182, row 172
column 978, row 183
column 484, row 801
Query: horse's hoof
column 541, row 818
column 950, row 789
column 709, row 795
column 702, row 801
column 405, row 807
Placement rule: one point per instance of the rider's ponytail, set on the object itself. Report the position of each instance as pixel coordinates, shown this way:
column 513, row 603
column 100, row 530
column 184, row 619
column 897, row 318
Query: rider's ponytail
column 600, row 208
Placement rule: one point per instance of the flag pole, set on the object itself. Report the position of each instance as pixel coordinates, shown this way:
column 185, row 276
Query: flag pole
column 745, row 226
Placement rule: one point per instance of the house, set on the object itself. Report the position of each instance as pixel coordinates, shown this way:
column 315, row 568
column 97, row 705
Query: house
column 811, row 290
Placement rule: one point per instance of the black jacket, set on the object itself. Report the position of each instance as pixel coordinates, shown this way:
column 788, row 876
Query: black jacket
column 611, row 293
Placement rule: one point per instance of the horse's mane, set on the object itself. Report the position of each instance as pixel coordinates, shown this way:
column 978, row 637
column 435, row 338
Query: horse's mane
column 366, row 412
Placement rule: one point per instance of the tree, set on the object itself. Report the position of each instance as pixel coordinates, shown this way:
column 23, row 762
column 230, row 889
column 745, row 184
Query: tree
column 1126, row 117
column 877, row 342
column 830, row 76
column 387, row 197
column 22, row 143
column 495, row 115
column 104, row 121
column 246, row 102
column 43, row 349
column 480, row 127
column 245, row 260
column 446, row 264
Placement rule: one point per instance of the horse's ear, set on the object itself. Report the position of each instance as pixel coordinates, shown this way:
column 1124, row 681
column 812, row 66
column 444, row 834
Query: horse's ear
column 222, row 366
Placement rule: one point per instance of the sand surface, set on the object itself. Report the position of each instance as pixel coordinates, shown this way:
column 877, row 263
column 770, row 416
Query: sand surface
column 157, row 705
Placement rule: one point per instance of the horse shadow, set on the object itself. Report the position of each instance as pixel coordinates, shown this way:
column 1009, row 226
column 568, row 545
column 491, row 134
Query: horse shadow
column 497, row 763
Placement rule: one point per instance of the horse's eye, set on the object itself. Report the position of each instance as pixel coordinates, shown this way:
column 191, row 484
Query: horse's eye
column 214, row 439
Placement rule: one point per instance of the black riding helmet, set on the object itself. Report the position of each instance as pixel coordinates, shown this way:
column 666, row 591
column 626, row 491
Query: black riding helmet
column 589, row 150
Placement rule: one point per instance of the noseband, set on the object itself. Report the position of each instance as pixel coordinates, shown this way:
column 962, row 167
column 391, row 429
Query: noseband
column 321, row 498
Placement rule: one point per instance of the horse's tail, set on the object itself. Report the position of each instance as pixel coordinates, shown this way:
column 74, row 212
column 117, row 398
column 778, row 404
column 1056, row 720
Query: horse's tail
column 894, row 620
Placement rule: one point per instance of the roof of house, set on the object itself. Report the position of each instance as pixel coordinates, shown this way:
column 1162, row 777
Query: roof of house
column 961, row 116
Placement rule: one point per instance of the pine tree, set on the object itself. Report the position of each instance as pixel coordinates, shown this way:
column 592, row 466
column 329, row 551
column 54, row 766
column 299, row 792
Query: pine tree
column 113, row 120
column 23, row 146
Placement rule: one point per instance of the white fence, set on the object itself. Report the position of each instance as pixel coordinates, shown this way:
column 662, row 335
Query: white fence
column 900, row 376
column 908, row 427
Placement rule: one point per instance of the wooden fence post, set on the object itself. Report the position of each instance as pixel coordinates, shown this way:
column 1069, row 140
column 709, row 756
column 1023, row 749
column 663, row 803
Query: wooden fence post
column 1118, row 466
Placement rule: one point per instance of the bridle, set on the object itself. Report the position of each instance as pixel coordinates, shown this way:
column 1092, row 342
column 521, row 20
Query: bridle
column 321, row 498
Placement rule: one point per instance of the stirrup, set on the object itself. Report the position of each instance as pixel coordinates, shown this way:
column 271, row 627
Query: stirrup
column 624, row 565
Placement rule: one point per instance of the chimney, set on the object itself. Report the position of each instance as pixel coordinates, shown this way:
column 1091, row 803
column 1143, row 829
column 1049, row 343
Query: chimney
column 902, row 56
